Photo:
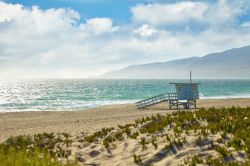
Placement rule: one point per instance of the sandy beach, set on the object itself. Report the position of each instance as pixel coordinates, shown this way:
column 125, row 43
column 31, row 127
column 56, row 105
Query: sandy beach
column 121, row 135
column 89, row 121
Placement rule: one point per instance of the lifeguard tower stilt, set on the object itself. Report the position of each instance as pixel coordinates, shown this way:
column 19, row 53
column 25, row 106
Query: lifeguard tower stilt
column 185, row 96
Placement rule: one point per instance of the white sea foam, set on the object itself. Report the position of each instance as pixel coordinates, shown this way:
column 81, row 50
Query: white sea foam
column 235, row 96
column 92, row 104
column 74, row 106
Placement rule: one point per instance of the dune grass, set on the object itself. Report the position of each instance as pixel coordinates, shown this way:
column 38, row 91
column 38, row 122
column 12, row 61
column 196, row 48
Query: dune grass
column 231, row 125
column 12, row 157
column 38, row 150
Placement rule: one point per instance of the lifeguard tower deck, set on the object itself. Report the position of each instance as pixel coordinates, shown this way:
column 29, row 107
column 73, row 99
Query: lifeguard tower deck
column 186, row 95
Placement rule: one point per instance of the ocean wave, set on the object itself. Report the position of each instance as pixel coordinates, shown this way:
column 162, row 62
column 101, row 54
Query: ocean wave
column 72, row 106
column 234, row 96
column 108, row 102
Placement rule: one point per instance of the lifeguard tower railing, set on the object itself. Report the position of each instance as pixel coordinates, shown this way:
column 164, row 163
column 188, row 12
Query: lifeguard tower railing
column 156, row 99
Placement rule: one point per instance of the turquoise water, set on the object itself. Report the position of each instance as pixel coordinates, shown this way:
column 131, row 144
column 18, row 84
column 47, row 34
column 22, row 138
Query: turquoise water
column 35, row 95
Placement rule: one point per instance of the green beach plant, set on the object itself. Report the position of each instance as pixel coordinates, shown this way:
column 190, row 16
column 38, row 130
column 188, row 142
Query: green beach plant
column 196, row 160
column 134, row 135
column 222, row 151
column 137, row 159
column 154, row 142
column 144, row 143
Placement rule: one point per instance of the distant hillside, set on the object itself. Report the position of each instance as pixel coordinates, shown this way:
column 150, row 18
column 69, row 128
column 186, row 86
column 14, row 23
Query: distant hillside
column 230, row 64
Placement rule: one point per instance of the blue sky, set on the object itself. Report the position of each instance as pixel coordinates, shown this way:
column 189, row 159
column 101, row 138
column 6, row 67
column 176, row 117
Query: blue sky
column 119, row 10
column 85, row 38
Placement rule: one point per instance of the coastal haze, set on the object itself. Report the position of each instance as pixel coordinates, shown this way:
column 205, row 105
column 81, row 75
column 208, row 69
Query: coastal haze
column 230, row 64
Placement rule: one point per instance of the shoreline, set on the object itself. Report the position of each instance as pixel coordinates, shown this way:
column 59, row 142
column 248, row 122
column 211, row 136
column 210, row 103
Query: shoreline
column 91, row 120
column 121, row 103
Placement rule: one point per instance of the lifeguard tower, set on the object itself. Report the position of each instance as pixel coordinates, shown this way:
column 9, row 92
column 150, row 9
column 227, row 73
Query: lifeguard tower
column 186, row 95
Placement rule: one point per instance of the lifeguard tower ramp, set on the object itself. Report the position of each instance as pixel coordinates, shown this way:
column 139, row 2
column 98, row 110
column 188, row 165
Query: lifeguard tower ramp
column 186, row 95
column 156, row 100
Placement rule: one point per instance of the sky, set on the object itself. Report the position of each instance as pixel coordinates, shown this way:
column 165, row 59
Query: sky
column 86, row 38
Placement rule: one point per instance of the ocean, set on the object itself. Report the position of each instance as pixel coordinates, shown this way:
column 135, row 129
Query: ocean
column 71, row 95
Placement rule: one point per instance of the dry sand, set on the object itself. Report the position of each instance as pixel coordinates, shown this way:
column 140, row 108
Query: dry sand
column 74, row 122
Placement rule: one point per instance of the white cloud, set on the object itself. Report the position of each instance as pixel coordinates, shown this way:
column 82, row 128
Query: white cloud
column 47, row 57
column 9, row 12
column 225, row 12
column 54, row 43
column 32, row 38
column 157, row 14
column 222, row 12
column 99, row 25
column 145, row 30
column 246, row 24
column 40, row 21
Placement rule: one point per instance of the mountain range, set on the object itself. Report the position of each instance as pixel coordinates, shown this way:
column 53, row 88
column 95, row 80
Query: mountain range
column 230, row 64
